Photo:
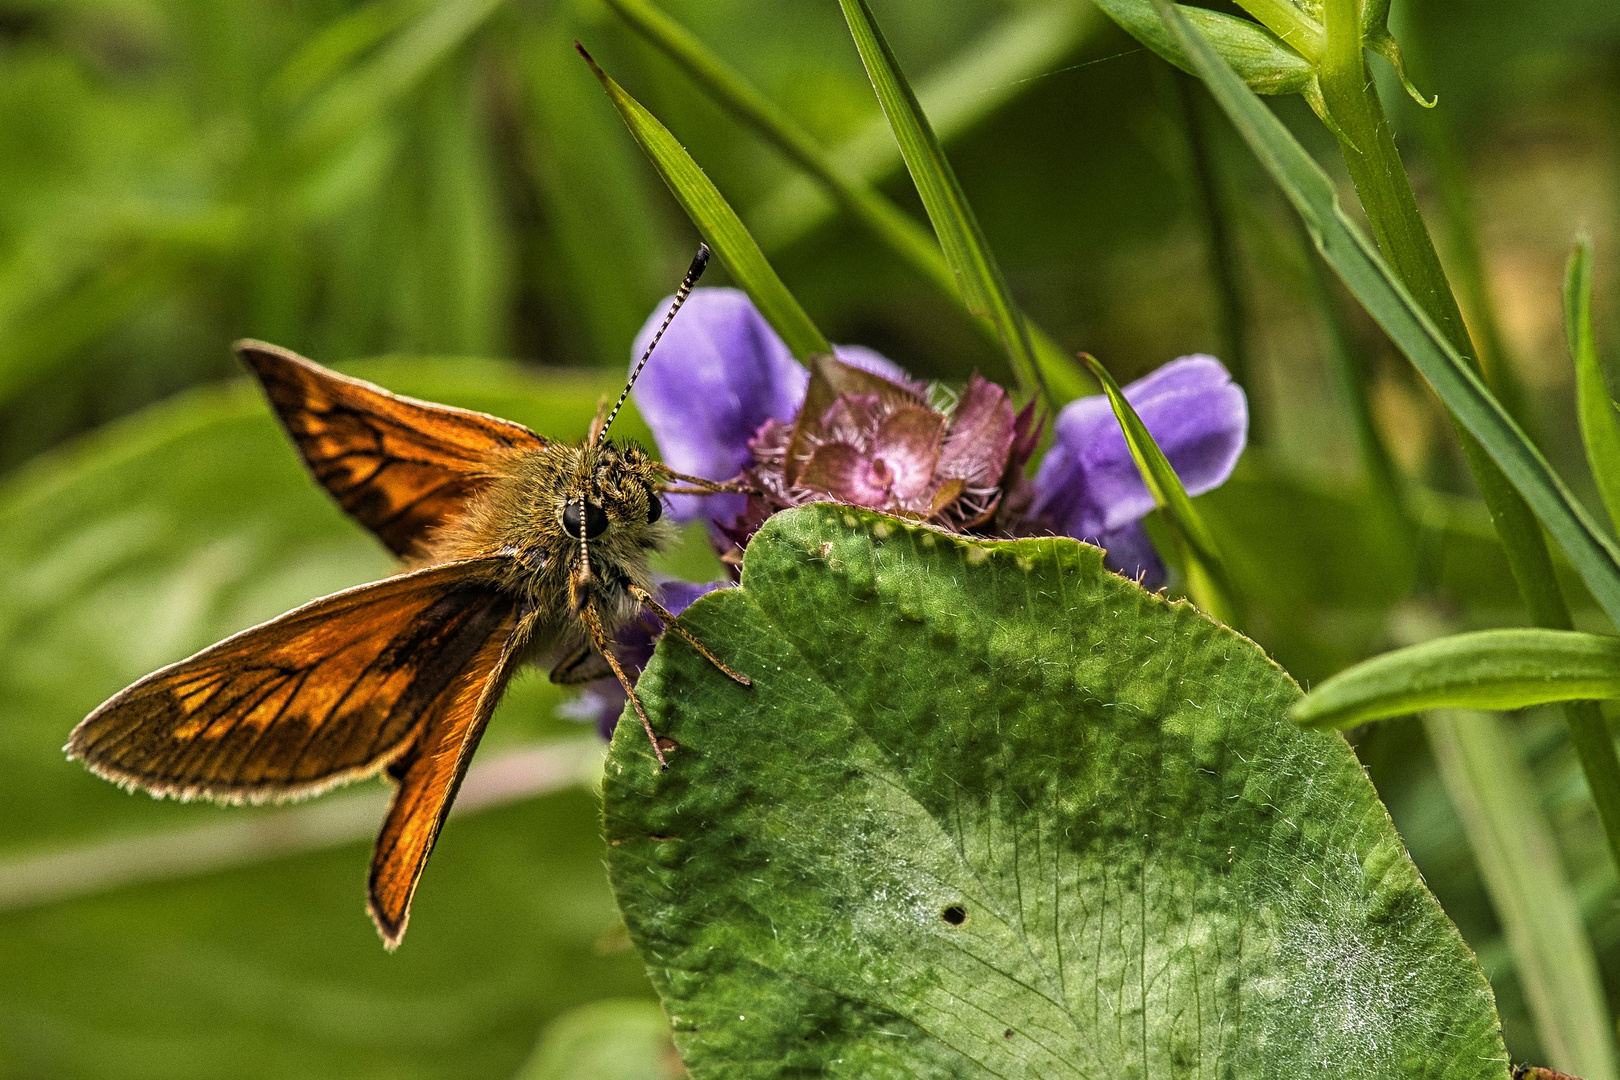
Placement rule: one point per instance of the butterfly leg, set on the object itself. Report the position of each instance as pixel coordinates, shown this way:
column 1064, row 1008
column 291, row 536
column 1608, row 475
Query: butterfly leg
column 671, row 623
column 593, row 625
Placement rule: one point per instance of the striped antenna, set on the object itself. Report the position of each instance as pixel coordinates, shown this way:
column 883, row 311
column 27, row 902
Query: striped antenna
column 693, row 272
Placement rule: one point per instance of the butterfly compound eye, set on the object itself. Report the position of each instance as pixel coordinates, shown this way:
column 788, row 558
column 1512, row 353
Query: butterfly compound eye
column 655, row 506
column 596, row 522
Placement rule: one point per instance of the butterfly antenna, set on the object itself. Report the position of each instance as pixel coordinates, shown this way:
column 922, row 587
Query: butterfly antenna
column 693, row 272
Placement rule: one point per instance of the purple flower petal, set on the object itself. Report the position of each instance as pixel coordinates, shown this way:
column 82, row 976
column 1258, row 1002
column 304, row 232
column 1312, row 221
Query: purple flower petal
column 1088, row 486
column 602, row 700
column 718, row 374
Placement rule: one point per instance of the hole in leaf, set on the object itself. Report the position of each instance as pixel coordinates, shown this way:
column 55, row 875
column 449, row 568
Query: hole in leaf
column 956, row 914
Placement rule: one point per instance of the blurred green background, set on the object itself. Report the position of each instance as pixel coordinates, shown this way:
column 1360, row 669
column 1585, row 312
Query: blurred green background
column 439, row 193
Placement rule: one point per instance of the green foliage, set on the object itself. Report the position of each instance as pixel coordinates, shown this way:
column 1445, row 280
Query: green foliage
column 1490, row 669
column 1044, row 822
column 1513, row 841
column 718, row 223
column 1388, row 301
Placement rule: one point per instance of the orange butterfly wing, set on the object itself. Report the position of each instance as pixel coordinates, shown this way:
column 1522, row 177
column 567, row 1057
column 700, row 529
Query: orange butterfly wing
column 332, row 691
column 401, row 467
column 429, row 776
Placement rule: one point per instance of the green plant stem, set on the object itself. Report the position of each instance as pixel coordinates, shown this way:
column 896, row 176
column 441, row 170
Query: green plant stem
column 1218, row 246
column 1383, row 477
column 893, row 227
column 1368, row 148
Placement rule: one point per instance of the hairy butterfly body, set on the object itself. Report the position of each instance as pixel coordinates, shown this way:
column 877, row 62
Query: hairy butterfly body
column 517, row 549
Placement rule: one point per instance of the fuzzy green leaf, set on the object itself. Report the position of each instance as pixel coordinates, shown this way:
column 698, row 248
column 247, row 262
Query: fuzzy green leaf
column 1600, row 428
column 1490, row 669
column 978, row 275
column 990, row 810
column 1369, row 278
column 717, row 221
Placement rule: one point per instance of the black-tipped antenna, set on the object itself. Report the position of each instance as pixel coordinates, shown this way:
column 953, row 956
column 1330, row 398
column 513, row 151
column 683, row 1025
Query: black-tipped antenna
column 699, row 262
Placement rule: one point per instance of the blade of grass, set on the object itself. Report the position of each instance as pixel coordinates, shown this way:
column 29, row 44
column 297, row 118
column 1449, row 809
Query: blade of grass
column 1484, row 774
column 716, row 221
column 978, row 276
column 1600, row 430
column 1387, row 300
column 1207, row 581
column 1004, row 63
column 903, row 235
column 1489, row 669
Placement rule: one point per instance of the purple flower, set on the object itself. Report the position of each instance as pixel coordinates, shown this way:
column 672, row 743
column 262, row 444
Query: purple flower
column 724, row 398
column 721, row 372
column 602, row 700
column 1088, row 486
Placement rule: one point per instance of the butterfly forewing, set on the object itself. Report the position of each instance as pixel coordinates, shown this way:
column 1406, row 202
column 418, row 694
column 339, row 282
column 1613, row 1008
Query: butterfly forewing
column 429, row 776
column 332, row 691
column 401, row 467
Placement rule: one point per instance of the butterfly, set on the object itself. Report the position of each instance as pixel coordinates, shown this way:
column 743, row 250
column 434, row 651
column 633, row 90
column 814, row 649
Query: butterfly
column 517, row 549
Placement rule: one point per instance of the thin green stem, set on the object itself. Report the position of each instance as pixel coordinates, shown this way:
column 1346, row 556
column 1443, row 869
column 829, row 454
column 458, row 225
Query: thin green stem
column 1368, row 147
column 1219, row 248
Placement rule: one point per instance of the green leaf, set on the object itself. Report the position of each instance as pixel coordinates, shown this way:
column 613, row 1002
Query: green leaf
column 978, row 276
column 1600, row 430
column 1260, row 57
column 990, row 810
column 1208, row 582
column 862, row 201
column 1484, row 773
column 717, row 221
column 1364, row 272
column 618, row 1039
column 1488, row 669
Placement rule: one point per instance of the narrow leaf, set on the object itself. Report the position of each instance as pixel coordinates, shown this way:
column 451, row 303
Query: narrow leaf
column 863, row 202
column 1207, row 577
column 717, row 221
column 1600, row 429
column 1496, row 796
column 1357, row 262
column 978, row 276
column 1489, row 669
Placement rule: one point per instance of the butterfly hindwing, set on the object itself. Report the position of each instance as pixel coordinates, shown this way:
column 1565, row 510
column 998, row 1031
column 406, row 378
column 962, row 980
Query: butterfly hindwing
column 401, row 467
column 329, row 692
column 429, row 776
